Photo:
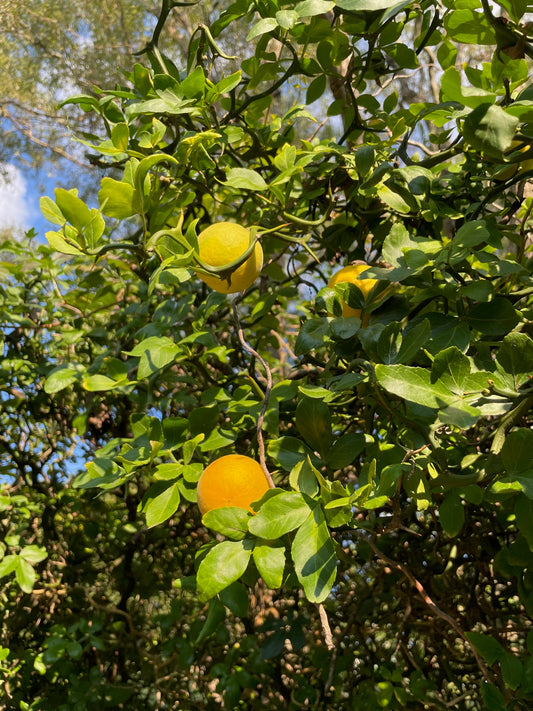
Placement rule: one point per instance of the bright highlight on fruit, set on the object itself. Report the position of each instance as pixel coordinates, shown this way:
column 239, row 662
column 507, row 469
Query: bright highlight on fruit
column 221, row 244
column 232, row 480
column 351, row 275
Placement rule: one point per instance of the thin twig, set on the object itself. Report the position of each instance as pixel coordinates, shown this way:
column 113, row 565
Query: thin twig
column 432, row 606
column 268, row 390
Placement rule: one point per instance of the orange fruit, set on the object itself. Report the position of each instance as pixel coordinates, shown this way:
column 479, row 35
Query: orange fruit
column 351, row 275
column 223, row 243
column 232, row 480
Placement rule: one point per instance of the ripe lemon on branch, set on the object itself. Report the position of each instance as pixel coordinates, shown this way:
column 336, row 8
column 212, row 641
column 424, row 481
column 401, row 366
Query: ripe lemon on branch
column 351, row 274
column 229, row 256
column 232, row 480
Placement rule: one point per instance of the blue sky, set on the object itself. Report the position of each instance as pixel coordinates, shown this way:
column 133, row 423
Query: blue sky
column 19, row 200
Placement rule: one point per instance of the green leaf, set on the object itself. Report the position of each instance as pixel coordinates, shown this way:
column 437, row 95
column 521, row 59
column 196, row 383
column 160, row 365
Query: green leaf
column 265, row 24
column 75, row 210
column 490, row 129
column 286, row 19
column 193, row 85
column 288, row 451
column 62, row 376
column 279, row 514
column 100, row 383
column 117, row 199
column 313, row 334
column 227, row 84
column 33, row 554
column 160, row 502
column 302, row 478
column 413, row 384
column 230, row 521
column 223, row 565
column 365, row 157
column 447, row 331
column 316, row 88
column 8, row 565
column 269, row 558
column 58, row 242
column 235, row 597
column 489, row 648
column 365, row 5
column 51, row 211
column 517, row 459
column 469, row 27
column 155, row 353
column 311, row 8
column 314, row 556
column 492, row 697
column 515, row 356
column 313, row 420
column 101, row 472
column 25, row 575
column 452, row 90
column 452, row 368
column 493, row 318
column 395, row 347
column 452, row 514
column 245, row 178
column 512, row 670
column 215, row 615
column 345, row 450
column 120, row 136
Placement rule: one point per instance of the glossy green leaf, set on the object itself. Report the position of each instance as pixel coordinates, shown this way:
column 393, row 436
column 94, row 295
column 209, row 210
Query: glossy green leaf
column 265, row 24
column 236, row 598
column 314, row 556
column 25, row 575
column 365, row 5
column 269, row 558
column 311, row 8
column 223, row 565
column 490, row 129
column 160, row 502
column 117, row 199
column 33, row 554
column 494, row 318
column 469, row 26
column 515, row 357
column 288, row 451
column 452, row 514
column 313, row 420
column 489, row 648
column 62, row 376
column 279, row 514
column 229, row 521
column 345, row 450
column 245, row 178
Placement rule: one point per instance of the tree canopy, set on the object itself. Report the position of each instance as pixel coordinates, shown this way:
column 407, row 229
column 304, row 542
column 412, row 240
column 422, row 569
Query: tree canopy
column 390, row 565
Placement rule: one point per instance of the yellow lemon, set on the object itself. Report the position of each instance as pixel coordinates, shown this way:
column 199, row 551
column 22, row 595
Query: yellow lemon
column 351, row 275
column 221, row 244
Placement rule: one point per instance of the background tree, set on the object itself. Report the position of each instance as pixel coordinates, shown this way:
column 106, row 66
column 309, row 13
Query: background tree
column 391, row 564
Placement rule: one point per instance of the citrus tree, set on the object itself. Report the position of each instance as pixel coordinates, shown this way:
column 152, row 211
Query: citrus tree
column 362, row 437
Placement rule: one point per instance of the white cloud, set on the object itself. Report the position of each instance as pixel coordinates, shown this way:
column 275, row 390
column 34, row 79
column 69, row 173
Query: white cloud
column 14, row 211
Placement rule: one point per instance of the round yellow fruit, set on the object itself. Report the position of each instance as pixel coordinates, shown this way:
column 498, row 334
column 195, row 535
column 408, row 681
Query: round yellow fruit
column 232, row 480
column 351, row 275
column 221, row 244
column 517, row 167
